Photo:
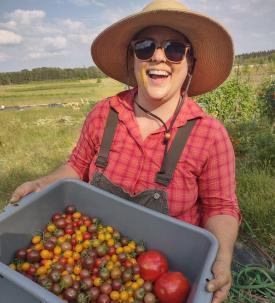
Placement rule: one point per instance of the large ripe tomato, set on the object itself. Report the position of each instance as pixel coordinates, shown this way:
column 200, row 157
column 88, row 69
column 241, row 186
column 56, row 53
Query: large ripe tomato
column 172, row 287
column 152, row 264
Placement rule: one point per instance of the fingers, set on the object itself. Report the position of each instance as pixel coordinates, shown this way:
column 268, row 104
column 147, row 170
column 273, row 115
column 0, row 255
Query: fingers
column 23, row 190
column 217, row 283
column 221, row 294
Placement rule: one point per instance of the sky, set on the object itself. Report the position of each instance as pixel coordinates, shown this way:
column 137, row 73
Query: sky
column 58, row 33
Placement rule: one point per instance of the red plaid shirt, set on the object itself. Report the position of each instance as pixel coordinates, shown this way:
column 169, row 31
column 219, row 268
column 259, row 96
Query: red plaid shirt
column 203, row 184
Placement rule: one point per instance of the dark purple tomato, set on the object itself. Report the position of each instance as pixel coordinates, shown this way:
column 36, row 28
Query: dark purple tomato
column 53, row 239
column 76, row 285
column 21, row 254
column 33, row 256
column 54, row 275
column 127, row 275
column 102, row 250
column 70, row 294
column 84, row 274
column 124, row 241
column 136, row 269
column 66, row 246
column 103, row 298
column 70, row 209
column 92, row 228
column 148, row 286
column 60, row 223
column 49, row 245
column 93, row 293
column 88, row 262
column 116, row 284
column 56, row 289
column 106, row 288
column 86, row 283
column 59, row 233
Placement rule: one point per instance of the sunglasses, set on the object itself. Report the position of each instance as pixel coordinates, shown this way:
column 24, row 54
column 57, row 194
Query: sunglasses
column 174, row 51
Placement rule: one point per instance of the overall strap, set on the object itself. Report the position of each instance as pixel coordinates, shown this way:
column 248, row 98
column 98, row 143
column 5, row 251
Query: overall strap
column 109, row 132
column 165, row 175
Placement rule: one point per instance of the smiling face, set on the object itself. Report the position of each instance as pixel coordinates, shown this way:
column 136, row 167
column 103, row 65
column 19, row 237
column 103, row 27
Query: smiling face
column 160, row 80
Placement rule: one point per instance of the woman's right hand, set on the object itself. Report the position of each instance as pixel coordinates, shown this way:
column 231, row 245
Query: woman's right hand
column 24, row 189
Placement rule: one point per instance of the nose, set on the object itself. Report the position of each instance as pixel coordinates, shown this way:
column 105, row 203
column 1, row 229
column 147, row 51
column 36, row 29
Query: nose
column 159, row 55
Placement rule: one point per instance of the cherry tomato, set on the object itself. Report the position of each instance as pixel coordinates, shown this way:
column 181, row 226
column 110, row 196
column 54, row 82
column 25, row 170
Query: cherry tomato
column 152, row 264
column 172, row 287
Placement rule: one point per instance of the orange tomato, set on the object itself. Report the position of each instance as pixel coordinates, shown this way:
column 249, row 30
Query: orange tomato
column 36, row 239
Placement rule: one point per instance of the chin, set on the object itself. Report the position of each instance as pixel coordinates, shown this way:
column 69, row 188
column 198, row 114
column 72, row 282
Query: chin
column 157, row 94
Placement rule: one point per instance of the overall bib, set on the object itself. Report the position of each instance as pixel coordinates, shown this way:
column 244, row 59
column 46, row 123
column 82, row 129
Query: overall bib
column 155, row 199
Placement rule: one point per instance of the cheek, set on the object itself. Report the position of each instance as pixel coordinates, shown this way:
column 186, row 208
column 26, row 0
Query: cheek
column 180, row 72
column 140, row 73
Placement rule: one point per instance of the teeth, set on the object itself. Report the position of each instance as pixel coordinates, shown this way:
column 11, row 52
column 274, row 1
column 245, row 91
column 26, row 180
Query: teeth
column 158, row 73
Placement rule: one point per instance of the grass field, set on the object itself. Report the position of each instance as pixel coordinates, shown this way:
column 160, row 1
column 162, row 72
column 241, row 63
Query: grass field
column 34, row 142
column 57, row 91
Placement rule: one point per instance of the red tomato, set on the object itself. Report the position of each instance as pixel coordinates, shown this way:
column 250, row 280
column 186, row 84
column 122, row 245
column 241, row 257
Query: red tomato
column 152, row 264
column 87, row 236
column 172, row 287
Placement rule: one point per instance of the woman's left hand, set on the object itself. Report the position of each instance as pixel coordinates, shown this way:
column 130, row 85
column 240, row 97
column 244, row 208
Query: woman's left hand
column 221, row 283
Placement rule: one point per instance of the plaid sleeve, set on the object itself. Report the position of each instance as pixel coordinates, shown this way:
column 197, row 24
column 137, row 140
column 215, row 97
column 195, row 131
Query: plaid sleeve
column 217, row 183
column 84, row 150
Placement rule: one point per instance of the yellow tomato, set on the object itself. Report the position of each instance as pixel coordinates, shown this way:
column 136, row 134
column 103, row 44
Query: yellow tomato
column 77, row 270
column 70, row 261
column 48, row 264
column 39, row 246
column 76, row 215
column 51, row 228
column 110, row 265
column 83, row 228
column 132, row 245
column 140, row 281
column 57, row 250
column 111, row 242
column 45, row 254
column 108, row 236
column 76, row 255
column 61, row 240
column 123, row 295
column 25, row 266
column 114, row 295
column 78, row 248
column 67, row 253
column 110, row 229
column 127, row 249
column 97, row 282
column 86, row 244
column 114, row 258
column 101, row 237
column 79, row 238
column 42, row 270
column 36, row 239
column 135, row 285
column 119, row 250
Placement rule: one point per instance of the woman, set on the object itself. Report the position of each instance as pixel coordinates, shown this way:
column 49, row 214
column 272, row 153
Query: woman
column 153, row 144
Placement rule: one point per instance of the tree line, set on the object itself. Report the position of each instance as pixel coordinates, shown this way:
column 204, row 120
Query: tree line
column 50, row 73
column 262, row 57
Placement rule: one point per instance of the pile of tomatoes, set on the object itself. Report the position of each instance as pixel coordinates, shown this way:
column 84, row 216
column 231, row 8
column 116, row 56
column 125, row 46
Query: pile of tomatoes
column 80, row 260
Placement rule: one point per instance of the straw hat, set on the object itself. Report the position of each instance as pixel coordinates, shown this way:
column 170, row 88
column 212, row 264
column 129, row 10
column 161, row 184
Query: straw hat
column 212, row 44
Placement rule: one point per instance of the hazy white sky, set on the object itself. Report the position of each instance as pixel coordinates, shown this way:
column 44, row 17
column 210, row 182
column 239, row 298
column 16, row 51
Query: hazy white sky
column 58, row 33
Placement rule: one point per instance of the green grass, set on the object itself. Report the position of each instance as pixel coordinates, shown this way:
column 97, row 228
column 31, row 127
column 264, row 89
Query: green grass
column 57, row 91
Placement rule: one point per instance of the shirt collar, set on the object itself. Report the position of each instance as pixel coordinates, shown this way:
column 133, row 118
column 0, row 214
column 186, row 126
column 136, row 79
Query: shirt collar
column 123, row 103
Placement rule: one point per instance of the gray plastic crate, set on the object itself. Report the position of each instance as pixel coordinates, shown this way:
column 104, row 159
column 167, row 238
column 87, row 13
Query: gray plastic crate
column 189, row 249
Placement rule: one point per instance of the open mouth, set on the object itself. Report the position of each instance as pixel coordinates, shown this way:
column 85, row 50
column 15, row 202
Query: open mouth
column 158, row 74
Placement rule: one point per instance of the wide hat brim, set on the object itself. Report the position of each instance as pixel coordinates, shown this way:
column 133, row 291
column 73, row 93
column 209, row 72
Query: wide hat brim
column 212, row 45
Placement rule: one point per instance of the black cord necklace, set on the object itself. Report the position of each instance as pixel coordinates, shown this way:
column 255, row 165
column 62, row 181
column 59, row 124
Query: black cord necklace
column 167, row 134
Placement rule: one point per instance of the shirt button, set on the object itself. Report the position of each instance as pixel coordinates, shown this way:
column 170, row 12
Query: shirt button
column 156, row 196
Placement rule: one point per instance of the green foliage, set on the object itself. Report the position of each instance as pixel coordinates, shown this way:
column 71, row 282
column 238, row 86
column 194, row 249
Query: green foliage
column 254, row 142
column 266, row 98
column 232, row 102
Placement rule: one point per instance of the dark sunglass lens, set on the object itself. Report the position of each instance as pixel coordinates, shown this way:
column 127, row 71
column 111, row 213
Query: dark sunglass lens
column 145, row 49
column 174, row 51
